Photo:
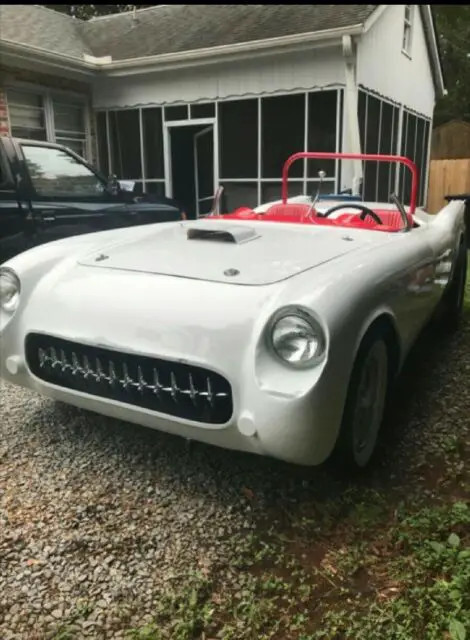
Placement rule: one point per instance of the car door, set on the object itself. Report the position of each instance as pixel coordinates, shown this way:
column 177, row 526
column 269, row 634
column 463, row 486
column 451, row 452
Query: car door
column 412, row 288
column 13, row 223
column 66, row 197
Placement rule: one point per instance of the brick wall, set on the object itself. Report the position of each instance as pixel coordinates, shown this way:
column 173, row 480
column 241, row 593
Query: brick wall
column 10, row 75
column 4, row 121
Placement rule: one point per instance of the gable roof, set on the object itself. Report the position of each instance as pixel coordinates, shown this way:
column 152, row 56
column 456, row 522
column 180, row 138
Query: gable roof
column 175, row 28
column 167, row 29
column 37, row 26
column 145, row 36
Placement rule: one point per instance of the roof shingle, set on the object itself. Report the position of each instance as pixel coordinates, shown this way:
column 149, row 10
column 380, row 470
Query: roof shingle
column 176, row 28
column 43, row 28
column 169, row 28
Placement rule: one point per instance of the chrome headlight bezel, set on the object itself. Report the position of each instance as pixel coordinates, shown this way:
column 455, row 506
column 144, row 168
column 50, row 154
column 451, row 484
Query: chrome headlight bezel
column 9, row 303
column 314, row 326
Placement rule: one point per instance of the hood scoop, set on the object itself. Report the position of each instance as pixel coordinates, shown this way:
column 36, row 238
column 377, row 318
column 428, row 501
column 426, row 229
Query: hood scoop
column 234, row 234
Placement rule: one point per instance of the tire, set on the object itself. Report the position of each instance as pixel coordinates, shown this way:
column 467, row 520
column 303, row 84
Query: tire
column 453, row 299
column 369, row 387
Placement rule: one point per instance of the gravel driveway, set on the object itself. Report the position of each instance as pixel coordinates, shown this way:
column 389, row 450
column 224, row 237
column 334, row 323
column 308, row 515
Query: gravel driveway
column 98, row 519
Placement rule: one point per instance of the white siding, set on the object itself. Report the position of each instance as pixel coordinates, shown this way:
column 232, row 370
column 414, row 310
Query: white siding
column 263, row 75
column 382, row 67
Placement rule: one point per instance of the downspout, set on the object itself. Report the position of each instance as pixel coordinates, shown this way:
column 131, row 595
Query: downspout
column 351, row 104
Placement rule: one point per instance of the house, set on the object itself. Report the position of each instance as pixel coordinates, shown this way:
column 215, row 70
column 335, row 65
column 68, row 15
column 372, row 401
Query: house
column 451, row 141
column 181, row 98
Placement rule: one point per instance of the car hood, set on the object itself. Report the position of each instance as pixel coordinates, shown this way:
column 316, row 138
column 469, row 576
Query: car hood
column 258, row 253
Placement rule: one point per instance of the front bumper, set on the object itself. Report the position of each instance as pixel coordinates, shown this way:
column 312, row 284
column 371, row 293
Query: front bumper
column 290, row 415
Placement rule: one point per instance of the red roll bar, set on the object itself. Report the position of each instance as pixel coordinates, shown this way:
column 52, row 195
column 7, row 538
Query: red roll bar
column 379, row 157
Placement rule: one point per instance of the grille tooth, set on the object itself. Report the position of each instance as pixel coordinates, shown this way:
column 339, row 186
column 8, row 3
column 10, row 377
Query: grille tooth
column 142, row 385
column 112, row 377
column 157, row 387
column 178, row 389
column 63, row 361
column 126, row 382
column 42, row 358
column 191, row 392
column 174, row 387
column 53, row 357
column 208, row 393
column 87, row 372
column 100, row 374
column 76, row 368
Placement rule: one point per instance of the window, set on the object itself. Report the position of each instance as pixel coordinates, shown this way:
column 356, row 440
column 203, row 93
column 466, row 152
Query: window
column 407, row 29
column 124, row 131
column 322, row 132
column 425, row 161
column 273, row 190
column 27, row 115
column 239, row 194
column 69, row 125
column 153, row 143
column 39, row 116
column 204, row 110
column 56, row 173
column 238, row 127
column 282, row 133
column 387, row 145
column 102, row 139
column 178, row 112
column 130, row 145
column 414, row 145
column 378, row 126
column 371, row 145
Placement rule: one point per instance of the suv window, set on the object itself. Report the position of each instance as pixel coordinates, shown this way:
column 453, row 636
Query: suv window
column 56, row 173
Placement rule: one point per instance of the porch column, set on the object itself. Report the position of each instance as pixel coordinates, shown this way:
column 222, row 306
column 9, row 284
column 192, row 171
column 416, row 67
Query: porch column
column 351, row 105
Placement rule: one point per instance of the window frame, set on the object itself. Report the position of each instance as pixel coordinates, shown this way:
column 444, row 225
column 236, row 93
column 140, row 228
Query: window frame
column 143, row 181
column 44, row 197
column 305, row 180
column 48, row 96
column 408, row 21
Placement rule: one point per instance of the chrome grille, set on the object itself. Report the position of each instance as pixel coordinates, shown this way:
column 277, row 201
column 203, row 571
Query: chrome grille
column 173, row 388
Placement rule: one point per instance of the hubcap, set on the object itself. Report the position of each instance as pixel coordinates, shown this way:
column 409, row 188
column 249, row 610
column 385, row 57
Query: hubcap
column 370, row 402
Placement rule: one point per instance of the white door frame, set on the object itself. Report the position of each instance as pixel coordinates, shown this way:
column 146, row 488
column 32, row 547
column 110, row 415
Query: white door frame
column 167, row 148
column 205, row 131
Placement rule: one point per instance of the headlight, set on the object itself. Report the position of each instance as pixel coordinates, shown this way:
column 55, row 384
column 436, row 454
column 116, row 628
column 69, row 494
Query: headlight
column 10, row 288
column 296, row 338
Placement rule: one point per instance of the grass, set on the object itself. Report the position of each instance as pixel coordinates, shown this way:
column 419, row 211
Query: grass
column 370, row 563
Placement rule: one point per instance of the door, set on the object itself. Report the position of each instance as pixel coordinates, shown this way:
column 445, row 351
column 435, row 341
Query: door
column 65, row 197
column 13, row 223
column 204, row 177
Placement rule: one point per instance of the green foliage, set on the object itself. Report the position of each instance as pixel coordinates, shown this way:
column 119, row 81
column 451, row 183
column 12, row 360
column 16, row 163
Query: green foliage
column 453, row 27
column 433, row 574
column 87, row 11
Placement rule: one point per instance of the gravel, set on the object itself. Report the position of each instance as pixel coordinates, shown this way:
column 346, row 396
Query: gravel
column 100, row 515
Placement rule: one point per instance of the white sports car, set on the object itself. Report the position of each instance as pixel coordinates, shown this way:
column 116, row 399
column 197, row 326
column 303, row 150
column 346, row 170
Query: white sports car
column 275, row 331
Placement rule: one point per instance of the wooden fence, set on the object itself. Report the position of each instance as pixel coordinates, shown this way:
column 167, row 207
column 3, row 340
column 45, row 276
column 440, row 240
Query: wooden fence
column 447, row 177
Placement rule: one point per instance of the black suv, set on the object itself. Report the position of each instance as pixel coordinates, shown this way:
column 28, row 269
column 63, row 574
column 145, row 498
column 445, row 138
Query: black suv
column 48, row 192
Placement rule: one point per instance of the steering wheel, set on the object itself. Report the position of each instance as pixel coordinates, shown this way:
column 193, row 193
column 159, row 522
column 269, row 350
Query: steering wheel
column 365, row 211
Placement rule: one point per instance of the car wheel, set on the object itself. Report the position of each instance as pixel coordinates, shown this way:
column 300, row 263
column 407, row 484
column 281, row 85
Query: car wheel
column 454, row 296
column 365, row 405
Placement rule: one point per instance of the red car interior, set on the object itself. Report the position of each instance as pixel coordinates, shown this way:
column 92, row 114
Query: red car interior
column 391, row 219
column 304, row 214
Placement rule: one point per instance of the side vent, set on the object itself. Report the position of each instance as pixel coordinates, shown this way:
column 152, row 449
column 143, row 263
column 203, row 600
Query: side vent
column 236, row 234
